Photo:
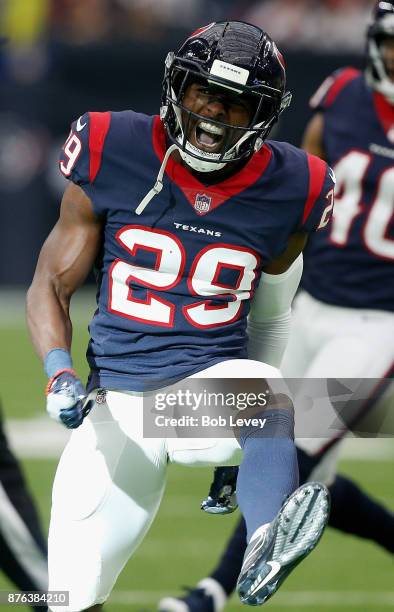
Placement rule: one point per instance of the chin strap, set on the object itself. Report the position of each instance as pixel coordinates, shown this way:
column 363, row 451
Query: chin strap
column 158, row 186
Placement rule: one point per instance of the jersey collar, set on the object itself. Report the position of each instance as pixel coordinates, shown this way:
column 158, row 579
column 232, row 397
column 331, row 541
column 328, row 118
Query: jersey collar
column 220, row 192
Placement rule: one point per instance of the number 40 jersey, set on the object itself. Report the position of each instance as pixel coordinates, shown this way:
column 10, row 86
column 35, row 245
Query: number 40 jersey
column 174, row 283
column 356, row 253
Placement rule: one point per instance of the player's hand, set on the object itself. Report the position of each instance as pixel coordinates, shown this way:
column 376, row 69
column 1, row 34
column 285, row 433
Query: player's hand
column 222, row 497
column 67, row 399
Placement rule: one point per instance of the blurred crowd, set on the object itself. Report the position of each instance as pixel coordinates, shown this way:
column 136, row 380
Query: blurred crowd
column 31, row 25
column 323, row 26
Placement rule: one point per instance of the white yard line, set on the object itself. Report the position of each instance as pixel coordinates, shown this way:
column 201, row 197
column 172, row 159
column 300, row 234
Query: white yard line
column 288, row 599
column 12, row 306
column 42, row 438
column 38, row 438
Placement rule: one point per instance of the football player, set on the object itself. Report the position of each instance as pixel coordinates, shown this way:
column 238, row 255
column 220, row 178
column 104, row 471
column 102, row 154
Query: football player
column 343, row 322
column 173, row 303
column 23, row 548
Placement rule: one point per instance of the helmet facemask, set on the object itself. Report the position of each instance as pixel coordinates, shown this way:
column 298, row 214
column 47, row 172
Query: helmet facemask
column 377, row 73
column 265, row 103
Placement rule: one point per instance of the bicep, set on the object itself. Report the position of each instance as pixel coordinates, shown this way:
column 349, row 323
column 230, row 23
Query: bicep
column 295, row 246
column 312, row 141
column 71, row 248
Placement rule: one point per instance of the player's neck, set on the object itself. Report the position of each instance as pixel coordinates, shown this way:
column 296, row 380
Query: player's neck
column 217, row 176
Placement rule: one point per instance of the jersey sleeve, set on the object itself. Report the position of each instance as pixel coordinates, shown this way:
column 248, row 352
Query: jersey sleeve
column 319, row 204
column 331, row 87
column 81, row 155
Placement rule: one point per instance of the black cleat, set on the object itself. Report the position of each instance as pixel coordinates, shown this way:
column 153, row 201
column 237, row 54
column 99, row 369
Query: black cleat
column 274, row 551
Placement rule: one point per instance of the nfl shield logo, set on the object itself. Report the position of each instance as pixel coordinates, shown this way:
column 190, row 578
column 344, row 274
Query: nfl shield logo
column 202, row 203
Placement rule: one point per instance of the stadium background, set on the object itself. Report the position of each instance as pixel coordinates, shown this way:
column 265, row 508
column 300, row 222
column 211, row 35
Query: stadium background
column 64, row 57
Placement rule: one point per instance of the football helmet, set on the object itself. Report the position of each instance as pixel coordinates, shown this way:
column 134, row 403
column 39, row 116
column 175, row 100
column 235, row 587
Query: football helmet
column 381, row 27
column 230, row 56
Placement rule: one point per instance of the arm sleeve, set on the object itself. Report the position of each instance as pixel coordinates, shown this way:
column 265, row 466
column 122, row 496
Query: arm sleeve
column 270, row 314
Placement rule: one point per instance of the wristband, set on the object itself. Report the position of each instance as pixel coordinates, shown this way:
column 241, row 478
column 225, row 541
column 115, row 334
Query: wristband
column 57, row 359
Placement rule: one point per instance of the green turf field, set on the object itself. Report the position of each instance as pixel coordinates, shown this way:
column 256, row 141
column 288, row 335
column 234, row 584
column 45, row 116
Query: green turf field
column 343, row 574
column 22, row 379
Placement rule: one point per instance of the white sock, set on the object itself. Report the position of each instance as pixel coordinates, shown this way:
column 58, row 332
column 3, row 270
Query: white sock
column 214, row 588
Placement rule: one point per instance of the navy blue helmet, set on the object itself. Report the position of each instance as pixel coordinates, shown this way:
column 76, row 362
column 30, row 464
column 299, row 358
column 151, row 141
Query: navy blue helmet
column 239, row 58
column 380, row 28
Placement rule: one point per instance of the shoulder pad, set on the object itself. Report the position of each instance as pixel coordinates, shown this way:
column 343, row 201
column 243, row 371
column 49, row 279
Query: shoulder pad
column 331, row 87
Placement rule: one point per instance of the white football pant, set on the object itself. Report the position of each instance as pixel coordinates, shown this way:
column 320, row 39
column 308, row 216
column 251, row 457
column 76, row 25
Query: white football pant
column 333, row 342
column 109, row 484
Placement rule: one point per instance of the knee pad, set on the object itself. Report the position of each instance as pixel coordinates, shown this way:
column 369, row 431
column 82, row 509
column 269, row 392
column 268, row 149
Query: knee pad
column 82, row 478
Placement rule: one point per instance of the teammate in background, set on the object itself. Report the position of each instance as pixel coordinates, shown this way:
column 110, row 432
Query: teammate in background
column 177, row 266
column 343, row 322
column 23, row 556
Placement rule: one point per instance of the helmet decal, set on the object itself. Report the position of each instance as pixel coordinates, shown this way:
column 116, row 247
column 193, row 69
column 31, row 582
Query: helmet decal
column 202, row 30
column 229, row 72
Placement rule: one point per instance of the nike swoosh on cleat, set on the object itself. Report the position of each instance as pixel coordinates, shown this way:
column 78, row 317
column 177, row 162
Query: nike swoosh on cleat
column 275, row 569
column 80, row 125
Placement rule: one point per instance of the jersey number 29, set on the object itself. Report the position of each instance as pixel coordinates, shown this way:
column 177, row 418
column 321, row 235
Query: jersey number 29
column 204, row 279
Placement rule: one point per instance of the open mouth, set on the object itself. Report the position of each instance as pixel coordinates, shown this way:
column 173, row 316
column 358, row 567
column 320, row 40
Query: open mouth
column 208, row 136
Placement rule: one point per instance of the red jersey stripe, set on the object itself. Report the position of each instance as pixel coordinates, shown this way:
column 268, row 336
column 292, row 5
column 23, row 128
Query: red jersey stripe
column 347, row 75
column 384, row 110
column 98, row 128
column 317, row 174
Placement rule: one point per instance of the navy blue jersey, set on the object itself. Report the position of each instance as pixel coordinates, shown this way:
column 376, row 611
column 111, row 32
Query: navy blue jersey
column 174, row 283
column 356, row 252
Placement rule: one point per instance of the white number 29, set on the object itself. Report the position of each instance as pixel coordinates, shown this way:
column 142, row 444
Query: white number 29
column 72, row 149
column 170, row 258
